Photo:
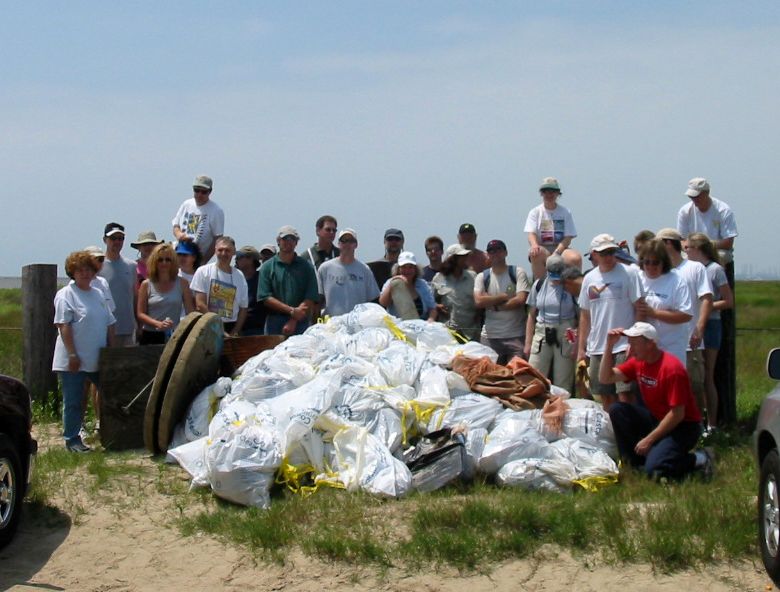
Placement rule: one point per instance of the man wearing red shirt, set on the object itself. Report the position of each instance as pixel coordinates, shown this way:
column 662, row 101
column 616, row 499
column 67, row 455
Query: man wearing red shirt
column 658, row 434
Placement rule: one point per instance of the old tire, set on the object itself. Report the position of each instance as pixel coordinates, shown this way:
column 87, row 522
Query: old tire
column 11, row 489
column 769, row 515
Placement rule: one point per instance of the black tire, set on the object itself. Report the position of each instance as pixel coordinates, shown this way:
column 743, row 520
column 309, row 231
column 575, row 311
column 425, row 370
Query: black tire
column 11, row 490
column 769, row 515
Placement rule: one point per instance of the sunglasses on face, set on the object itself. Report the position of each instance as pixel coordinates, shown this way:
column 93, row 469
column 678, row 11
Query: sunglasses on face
column 347, row 241
column 201, row 190
column 115, row 237
column 608, row 252
column 165, row 260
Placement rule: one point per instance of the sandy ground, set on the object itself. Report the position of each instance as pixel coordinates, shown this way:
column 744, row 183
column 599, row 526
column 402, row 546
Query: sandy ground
column 130, row 546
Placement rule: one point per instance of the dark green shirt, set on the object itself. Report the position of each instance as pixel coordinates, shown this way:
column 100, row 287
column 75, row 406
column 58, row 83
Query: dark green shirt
column 291, row 283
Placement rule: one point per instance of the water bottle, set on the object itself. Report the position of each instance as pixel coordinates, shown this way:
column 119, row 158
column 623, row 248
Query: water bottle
column 169, row 330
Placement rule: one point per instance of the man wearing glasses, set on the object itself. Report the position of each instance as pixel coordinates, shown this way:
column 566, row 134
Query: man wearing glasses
column 199, row 219
column 120, row 273
column 324, row 249
column 708, row 215
column 609, row 298
column 287, row 287
column 345, row 282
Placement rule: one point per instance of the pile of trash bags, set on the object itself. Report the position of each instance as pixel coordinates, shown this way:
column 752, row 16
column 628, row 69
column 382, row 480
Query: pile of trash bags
column 367, row 401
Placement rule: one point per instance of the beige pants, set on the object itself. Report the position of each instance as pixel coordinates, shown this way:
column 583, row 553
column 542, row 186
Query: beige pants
column 554, row 361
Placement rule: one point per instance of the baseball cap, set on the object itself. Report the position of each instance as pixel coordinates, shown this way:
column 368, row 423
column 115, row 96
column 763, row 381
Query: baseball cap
column 187, row 248
column 467, row 228
column 248, row 251
column 696, row 186
column 625, row 256
column 455, row 250
column 495, row 244
column 393, row 232
column 288, row 231
column 554, row 265
column 550, row 183
column 641, row 329
column 113, row 228
column 203, row 181
column 95, row 251
column 602, row 242
column 346, row 232
column 146, row 238
column 406, row 258
column 268, row 247
column 668, row 234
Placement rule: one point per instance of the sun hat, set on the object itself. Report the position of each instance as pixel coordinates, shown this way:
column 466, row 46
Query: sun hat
column 641, row 329
column 696, row 186
column 406, row 258
column 147, row 237
column 203, row 182
column 249, row 251
column 549, row 183
column 602, row 242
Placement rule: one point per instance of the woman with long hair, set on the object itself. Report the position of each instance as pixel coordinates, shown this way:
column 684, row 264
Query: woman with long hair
column 700, row 248
column 453, row 290
column 162, row 297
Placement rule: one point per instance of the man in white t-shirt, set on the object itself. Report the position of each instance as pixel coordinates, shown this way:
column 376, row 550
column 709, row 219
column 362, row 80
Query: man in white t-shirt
column 700, row 287
column 609, row 298
column 502, row 291
column 221, row 288
column 549, row 227
column 345, row 282
column 708, row 215
column 199, row 219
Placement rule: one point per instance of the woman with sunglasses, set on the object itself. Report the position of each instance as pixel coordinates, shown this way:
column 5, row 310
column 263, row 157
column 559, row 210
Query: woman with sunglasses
column 162, row 297
column 700, row 248
column 668, row 305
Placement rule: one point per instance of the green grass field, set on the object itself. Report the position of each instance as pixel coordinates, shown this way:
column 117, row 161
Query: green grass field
column 669, row 526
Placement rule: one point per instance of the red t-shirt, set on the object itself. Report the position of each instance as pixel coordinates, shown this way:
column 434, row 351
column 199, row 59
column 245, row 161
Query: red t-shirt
column 664, row 384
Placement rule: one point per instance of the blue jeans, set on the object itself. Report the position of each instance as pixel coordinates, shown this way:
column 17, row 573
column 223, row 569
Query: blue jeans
column 72, row 396
column 669, row 457
column 275, row 322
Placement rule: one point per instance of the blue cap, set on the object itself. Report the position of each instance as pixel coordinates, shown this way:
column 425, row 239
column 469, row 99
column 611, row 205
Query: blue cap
column 187, row 248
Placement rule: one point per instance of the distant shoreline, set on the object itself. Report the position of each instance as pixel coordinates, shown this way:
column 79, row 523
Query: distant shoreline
column 7, row 282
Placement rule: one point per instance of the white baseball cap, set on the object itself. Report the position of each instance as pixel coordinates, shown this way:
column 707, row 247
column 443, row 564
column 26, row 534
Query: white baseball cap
column 455, row 250
column 406, row 258
column 640, row 329
column 602, row 242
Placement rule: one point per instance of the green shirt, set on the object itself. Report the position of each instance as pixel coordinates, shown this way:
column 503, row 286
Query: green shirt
column 291, row 283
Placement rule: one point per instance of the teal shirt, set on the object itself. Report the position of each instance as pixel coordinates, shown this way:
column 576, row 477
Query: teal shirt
column 292, row 283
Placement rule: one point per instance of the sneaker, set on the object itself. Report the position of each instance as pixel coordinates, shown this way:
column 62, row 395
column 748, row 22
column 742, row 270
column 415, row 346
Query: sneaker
column 708, row 468
column 77, row 446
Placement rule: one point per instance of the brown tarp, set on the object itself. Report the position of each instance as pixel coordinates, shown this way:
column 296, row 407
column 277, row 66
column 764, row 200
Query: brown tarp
column 518, row 385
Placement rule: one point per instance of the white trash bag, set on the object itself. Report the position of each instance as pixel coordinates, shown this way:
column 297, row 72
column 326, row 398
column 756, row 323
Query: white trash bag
column 591, row 425
column 588, row 460
column 400, row 363
column 192, row 458
column 535, row 474
column 197, row 419
column 473, row 410
column 513, row 438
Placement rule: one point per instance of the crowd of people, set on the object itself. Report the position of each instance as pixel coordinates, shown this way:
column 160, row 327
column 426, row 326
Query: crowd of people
column 622, row 329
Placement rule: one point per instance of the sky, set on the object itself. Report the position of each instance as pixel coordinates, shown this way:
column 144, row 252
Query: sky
column 415, row 115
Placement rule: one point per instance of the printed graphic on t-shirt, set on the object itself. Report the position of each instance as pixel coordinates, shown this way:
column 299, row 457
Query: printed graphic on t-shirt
column 551, row 231
column 222, row 298
column 648, row 380
column 595, row 292
column 193, row 224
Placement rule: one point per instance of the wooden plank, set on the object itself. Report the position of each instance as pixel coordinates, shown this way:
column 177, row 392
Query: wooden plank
column 237, row 350
column 161, row 377
column 39, row 285
column 124, row 372
column 196, row 367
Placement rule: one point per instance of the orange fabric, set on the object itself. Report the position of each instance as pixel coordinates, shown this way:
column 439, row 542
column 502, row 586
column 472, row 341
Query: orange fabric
column 517, row 385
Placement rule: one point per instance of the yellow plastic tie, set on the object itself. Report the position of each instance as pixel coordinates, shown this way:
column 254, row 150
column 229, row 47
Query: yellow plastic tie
column 594, row 484
column 458, row 336
column 394, row 329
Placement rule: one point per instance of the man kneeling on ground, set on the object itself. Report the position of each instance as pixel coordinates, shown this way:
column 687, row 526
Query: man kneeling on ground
column 659, row 434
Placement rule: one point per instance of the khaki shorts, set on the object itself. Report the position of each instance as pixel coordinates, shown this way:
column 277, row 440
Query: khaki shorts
column 597, row 388
column 695, row 366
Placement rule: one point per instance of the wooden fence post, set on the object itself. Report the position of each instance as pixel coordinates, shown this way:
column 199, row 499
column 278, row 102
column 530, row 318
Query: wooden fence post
column 726, row 364
column 39, row 285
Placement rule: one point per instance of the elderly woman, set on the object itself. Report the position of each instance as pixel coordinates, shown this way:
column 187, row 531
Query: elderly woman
column 162, row 297
column 85, row 325
column 668, row 305
column 549, row 226
column 552, row 315
column 700, row 248
column 453, row 290
column 406, row 294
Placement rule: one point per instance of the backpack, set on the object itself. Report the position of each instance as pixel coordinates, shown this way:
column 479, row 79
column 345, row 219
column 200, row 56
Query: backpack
column 512, row 276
